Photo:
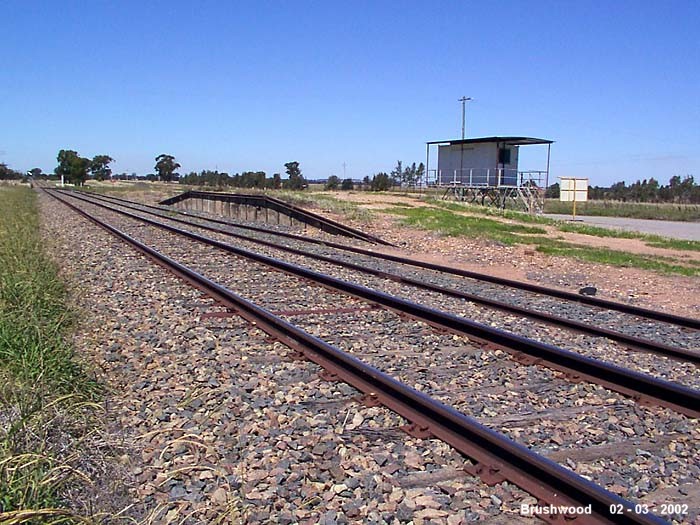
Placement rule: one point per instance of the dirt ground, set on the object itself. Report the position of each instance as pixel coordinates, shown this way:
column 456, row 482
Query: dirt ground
column 677, row 294
column 375, row 202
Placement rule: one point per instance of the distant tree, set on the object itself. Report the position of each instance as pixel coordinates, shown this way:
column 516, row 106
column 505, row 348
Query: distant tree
column 397, row 174
column 652, row 190
column 276, row 181
column 72, row 166
column 216, row 178
column 332, row 183
column 686, row 189
column 65, row 158
column 99, row 167
column 252, row 179
column 190, row 178
column 674, row 187
column 36, row 172
column 81, row 166
column 347, row 185
column 420, row 173
column 366, row 183
column 552, row 192
column 166, row 167
column 679, row 190
column 619, row 191
column 296, row 180
column 410, row 175
column 7, row 173
column 380, row 182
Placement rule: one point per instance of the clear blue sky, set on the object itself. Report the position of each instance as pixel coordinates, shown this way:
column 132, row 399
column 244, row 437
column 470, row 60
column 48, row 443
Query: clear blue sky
column 252, row 85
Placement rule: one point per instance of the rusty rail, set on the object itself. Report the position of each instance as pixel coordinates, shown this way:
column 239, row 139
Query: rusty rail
column 640, row 387
column 646, row 313
column 630, row 341
column 497, row 458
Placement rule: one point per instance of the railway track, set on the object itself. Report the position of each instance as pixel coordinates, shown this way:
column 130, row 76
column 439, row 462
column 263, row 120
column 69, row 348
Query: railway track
column 603, row 304
column 640, row 386
column 300, row 307
column 629, row 341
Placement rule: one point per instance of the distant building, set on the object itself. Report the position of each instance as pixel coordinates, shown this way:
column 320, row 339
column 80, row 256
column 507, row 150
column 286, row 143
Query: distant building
column 485, row 170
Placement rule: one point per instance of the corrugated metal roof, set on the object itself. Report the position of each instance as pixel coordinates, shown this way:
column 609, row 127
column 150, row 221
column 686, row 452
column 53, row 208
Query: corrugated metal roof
column 511, row 141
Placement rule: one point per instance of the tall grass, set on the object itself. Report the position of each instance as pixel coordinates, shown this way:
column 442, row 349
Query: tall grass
column 47, row 400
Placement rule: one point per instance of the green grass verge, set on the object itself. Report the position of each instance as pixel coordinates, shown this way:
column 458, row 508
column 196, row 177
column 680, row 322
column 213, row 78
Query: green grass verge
column 650, row 240
column 617, row 258
column 450, row 223
column 597, row 231
column 656, row 241
column 46, row 397
column 674, row 244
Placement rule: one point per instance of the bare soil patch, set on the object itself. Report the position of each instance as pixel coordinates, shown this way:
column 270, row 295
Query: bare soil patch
column 624, row 245
column 378, row 201
column 677, row 294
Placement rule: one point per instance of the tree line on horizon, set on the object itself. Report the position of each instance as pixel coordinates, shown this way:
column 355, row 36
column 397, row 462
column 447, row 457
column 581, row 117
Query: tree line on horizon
column 399, row 176
column 678, row 190
column 77, row 170
column 248, row 179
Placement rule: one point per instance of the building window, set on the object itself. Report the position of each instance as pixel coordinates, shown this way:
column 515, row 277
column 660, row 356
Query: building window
column 503, row 156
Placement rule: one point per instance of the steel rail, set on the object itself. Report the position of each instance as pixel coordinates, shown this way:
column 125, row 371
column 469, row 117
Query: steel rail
column 628, row 340
column 638, row 311
column 641, row 387
column 497, row 457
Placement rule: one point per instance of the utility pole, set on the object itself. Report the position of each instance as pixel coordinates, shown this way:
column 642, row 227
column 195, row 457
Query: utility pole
column 463, row 100
column 344, row 170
